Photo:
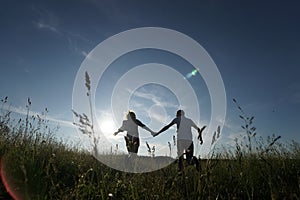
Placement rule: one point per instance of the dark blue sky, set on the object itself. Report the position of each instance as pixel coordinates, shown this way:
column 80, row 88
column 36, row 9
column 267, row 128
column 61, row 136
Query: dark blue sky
column 255, row 45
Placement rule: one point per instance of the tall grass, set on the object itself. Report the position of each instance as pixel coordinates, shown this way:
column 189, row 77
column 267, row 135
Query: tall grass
column 34, row 165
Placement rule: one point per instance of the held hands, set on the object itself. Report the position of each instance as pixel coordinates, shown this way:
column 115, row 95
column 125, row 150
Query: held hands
column 154, row 134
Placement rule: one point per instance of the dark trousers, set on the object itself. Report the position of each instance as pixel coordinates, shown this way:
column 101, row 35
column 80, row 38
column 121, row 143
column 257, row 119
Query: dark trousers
column 132, row 143
column 188, row 147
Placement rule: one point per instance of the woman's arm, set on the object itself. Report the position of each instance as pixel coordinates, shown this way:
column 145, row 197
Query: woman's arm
column 148, row 129
column 139, row 123
column 119, row 130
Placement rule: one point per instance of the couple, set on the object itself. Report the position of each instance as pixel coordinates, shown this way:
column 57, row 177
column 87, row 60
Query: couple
column 184, row 136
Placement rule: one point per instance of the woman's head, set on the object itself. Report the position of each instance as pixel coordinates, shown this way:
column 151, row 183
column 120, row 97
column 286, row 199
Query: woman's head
column 131, row 115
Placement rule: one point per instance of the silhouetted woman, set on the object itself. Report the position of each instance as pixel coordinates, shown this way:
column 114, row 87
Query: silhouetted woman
column 131, row 126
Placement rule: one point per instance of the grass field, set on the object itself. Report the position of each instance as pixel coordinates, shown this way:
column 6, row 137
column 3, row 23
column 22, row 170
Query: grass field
column 35, row 166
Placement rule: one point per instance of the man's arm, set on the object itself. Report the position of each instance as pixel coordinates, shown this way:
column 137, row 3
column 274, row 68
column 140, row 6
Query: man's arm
column 165, row 128
column 199, row 131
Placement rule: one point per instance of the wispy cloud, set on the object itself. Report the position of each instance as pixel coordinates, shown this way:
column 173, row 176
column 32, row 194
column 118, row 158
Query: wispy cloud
column 157, row 112
column 44, row 26
column 155, row 99
column 160, row 117
column 23, row 111
column 47, row 20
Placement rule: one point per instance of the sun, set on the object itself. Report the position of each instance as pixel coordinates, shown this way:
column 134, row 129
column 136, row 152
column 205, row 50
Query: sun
column 107, row 126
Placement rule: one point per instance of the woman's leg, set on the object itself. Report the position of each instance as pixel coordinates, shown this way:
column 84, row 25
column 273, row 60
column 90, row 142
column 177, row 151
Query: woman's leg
column 136, row 145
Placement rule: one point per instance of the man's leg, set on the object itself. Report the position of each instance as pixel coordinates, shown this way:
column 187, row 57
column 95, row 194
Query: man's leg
column 180, row 149
column 191, row 159
column 189, row 153
column 196, row 163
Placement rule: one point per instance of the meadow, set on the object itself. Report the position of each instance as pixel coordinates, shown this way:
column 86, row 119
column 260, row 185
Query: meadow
column 34, row 165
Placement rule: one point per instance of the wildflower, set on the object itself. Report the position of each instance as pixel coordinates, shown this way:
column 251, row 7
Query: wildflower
column 213, row 138
column 218, row 131
column 87, row 82
column 148, row 146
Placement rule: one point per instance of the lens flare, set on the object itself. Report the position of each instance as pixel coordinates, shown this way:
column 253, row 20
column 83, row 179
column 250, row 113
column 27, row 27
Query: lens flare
column 192, row 73
column 13, row 189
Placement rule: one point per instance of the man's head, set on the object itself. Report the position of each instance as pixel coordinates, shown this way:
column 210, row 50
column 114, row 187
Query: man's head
column 180, row 113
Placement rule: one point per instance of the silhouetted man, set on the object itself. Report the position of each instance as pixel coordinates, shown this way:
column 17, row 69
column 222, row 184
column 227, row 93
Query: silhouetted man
column 184, row 139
